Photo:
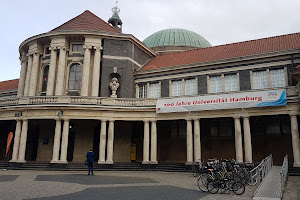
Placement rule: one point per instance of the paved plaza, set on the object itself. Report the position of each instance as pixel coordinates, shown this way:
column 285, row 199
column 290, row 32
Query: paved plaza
column 108, row 185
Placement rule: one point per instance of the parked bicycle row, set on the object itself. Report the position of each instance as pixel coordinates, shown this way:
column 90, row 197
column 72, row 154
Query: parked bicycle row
column 215, row 174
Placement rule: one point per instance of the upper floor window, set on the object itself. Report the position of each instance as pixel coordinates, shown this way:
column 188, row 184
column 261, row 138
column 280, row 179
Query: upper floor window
column 277, row 77
column 215, row 84
column 190, row 86
column 260, row 80
column 223, row 83
column 149, row 90
column 269, row 78
column 177, row 88
column 45, row 79
column 154, row 90
column 231, row 82
column 143, row 91
column 183, row 87
column 75, row 77
column 77, row 48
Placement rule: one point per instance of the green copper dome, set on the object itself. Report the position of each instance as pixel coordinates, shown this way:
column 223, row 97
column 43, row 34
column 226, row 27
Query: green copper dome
column 176, row 37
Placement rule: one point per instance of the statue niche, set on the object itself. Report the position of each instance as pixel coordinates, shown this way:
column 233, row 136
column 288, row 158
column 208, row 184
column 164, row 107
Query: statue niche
column 114, row 85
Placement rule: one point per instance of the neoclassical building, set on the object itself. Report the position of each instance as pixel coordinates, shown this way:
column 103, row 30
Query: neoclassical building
column 173, row 98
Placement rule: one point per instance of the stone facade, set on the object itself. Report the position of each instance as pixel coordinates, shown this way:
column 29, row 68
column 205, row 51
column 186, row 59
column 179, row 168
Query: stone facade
column 60, row 114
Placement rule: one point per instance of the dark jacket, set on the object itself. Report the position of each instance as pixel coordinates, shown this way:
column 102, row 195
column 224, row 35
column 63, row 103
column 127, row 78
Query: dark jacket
column 90, row 156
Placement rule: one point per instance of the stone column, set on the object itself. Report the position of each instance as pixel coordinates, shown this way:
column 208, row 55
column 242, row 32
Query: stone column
column 23, row 140
column 238, row 140
column 56, row 142
column 295, row 139
column 16, row 141
column 189, row 142
column 64, row 142
column 96, row 72
column 86, row 70
column 22, row 80
column 34, row 73
column 146, row 143
column 197, row 142
column 102, row 144
column 52, row 71
column 110, row 142
column 60, row 80
column 247, row 140
column 28, row 73
column 153, row 143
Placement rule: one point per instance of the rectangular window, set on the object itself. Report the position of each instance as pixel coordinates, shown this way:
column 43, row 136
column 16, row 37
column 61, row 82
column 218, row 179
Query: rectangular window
column 177, row 88
column 260, row 80
column 154, row 90
column 231, row 83
column 77, row 47
column 143, row 91
column 277, row 78
column 191, row 86
column 215, row 84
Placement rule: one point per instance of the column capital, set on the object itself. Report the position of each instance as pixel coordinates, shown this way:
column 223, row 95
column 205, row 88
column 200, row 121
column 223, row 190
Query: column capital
column 236, row 117
column 111, row 120
column 188, row 119
column 87, row 47
column 38, row 53
column 63, row 48
column 103, row 120
column 153, row 120
column 196, row 119
column 97, row 48
column 65, row 119
column 23, row 58
column 53, row 48
column 294, row 113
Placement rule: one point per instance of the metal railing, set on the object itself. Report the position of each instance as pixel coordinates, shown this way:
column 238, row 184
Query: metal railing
column 284, row 173
column 259, row 173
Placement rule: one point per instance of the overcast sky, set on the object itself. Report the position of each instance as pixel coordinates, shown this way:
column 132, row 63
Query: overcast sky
column 219, row 21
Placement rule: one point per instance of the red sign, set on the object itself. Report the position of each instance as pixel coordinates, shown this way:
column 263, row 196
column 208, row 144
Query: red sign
column 9, row 139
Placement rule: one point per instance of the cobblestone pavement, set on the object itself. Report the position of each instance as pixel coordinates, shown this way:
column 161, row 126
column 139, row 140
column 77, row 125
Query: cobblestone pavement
column 113, row 185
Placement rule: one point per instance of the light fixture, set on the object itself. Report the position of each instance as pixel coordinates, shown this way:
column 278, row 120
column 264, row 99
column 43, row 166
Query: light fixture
column 18, row 114
column 60, row 113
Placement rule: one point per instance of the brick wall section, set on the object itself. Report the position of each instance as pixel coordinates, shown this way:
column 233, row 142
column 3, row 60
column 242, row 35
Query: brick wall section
column 245, row 83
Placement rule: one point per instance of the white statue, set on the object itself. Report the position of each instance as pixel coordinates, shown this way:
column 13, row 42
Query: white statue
column 114, row 85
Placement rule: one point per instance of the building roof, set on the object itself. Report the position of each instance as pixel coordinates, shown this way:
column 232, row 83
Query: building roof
column 240, row 49
column 87, row 21
column 9, row 85
column 176, row 37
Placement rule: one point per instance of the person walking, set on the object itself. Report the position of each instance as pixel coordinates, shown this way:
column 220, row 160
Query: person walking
column 90, row 157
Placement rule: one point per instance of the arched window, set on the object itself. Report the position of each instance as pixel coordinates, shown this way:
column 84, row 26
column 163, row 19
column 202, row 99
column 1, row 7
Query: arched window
column 75, row 77
column 45, row 79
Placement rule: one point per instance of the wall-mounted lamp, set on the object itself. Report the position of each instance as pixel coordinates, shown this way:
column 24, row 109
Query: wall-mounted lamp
column 18, row 114
column 60, row 113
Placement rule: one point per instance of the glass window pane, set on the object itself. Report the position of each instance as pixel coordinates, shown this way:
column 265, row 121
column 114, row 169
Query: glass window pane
column 154, row 90
column 277, row 78
column 215, row 84
column 177, row 88
column 260, row 80
column 231, row 83
column 143, row 91
column 75, row 76
column 190, row 87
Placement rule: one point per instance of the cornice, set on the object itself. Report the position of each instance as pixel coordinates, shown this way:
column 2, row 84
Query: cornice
column 119, row 36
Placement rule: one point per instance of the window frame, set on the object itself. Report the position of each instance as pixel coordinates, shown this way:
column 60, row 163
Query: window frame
column 269, row 81
column 223, row 82
column 71, row 52
column 183, row 86
column 68, row 79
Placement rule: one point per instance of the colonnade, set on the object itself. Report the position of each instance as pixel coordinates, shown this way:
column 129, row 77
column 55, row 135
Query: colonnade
column 57, row 81
column 149, row 151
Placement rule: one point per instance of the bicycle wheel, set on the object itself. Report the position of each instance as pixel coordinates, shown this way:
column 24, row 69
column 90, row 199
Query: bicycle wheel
column 213, row 186
column 202, row 182
column 238, row 188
